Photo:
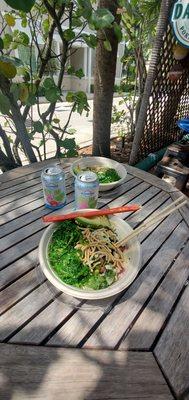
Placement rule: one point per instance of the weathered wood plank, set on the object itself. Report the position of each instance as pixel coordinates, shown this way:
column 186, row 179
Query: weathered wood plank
column 13, row 293
column 9, row 206
column 114, row 326
column 14, row 214
column 26, row 177
column 185, row 209
column 16, row 189
column 18, row 181
column 172, row 350
column 147, row 326
column 26, row 192
column 138, row 217
column 23, row 220
column 151, row 179
column 78, row 326
column 25, row 170
column 18, row 204
column 124, row 198
column 19, row 250
column 142, row 198
column 18, row 268
column 80, row 374
column 159, row 235
column 24, row 310
column 43, row 324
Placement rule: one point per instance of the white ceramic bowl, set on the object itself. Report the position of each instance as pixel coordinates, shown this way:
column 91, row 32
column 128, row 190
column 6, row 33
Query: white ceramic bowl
column 132, row 265
column 101, row 162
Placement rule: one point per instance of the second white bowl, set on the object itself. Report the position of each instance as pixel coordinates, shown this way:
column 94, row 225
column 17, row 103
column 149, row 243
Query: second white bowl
column 101, row 162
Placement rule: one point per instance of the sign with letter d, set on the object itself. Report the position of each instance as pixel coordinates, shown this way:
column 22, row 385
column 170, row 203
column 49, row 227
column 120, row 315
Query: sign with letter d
column 180, row 21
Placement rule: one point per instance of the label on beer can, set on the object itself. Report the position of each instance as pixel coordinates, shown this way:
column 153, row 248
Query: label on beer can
column 53, row 180
column 86, row 190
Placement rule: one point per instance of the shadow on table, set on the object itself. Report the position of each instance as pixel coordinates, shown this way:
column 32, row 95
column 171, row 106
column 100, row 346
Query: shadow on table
column 39, row 372
column 35, row 372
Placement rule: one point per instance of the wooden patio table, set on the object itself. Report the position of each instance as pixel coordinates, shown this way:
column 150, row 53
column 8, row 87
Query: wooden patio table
column 132, row 346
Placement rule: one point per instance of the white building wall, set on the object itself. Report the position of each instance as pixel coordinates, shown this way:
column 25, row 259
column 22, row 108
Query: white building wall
column 84, row 58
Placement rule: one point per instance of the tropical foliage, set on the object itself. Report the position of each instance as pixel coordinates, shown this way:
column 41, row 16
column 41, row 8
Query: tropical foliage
column 25, row 77
column 139, row 21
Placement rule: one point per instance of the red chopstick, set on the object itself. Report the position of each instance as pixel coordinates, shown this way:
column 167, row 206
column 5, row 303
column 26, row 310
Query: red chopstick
column 92, row 213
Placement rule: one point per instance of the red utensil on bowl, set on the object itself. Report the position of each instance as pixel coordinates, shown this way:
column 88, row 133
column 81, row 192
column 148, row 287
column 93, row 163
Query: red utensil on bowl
column 90, row 213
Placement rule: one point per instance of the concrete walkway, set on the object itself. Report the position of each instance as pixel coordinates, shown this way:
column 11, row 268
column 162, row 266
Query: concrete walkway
column 81, row 123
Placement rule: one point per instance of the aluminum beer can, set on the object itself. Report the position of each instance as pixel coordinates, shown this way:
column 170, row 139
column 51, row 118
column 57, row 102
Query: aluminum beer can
column 86, row 190
column 54, row 189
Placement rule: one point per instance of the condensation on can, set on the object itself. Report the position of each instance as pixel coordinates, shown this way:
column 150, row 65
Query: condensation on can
column 86, row 190
column 54, row 188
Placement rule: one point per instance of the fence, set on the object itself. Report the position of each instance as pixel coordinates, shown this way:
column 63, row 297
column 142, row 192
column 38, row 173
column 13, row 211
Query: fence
column 169, row 101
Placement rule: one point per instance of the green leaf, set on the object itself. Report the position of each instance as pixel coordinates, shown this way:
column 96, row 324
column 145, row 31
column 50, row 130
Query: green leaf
column 70, row 70
column 21, row 38
column 31, row 100
column 90, row 40
column 7, row 69
column 79, row 73
column 69, row 34
column 72, row 153
column 48, row 83
column 85, row 8
column 45, row 26
column 107, row 45
column 24, row 22
column 1, row 44
column 76, row 22
column 23, row 5
column 70, row 97
column 24, row 92
column 38, row 126
column 56, row 120
column 14, row 89
column 53, row 94
column 7, row 39
column 118, row 32
column 81, row 102
column 102, row 18
column 10, row 20
column 14, row 60
column 67, row 143
column 4, row 104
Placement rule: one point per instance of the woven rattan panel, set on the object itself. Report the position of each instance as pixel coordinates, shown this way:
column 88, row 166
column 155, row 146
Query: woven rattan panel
column 169, row 101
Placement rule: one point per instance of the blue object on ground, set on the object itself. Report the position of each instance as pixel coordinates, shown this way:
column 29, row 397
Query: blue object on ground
column 183, row 124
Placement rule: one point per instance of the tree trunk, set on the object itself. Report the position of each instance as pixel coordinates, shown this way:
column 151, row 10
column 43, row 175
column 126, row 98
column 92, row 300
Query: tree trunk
column 22, row 133
column 161, row 28
column 18, row 119
column 104, row 78
column 6, row 144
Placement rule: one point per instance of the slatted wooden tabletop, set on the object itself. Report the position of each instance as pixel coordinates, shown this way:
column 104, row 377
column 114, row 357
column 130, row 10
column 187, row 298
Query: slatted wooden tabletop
column 132, row 346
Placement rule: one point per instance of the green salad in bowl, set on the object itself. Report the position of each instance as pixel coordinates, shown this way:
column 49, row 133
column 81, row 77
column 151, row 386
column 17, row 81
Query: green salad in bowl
column 105, row 175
